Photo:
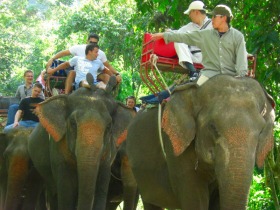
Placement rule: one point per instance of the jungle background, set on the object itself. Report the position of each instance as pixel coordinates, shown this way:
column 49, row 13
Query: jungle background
column 32, row 31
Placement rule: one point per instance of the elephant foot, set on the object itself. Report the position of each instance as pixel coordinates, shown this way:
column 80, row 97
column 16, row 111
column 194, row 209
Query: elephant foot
column 111, row 84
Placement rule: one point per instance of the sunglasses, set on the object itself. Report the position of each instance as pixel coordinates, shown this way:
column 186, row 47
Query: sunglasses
column 214, row 16
column 93, row 42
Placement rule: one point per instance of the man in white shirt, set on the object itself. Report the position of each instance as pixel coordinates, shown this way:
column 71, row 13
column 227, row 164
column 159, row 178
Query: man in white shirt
column 83, row 65
column 192, row 54
column 79, row 50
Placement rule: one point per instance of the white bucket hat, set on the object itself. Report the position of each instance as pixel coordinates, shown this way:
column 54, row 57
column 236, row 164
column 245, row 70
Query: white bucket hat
column 195, row 5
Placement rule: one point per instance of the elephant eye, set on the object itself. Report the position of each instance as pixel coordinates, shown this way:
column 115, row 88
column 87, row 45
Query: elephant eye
column 72, row 125
column 212, row 127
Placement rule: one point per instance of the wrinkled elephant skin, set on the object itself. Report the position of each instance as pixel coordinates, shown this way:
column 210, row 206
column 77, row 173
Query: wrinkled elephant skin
column 122, row 186
column 212, row 136
column 20, row 183
column 75, row 158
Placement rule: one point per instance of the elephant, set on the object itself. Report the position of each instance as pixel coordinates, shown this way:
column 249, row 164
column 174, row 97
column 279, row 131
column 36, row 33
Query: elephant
column 122, row 186
column 210, row 138
column 21, row 185
column 74, row 144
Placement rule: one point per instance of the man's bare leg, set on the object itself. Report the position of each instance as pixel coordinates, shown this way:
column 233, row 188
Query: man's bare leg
column 84, row 84
column 69, row 81
column 104, row 78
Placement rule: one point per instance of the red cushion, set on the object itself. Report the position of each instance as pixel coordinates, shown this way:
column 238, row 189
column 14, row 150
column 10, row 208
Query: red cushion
column 160, row 48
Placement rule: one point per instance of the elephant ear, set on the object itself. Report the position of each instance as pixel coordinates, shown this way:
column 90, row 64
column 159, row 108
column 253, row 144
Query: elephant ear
column 3, row 146
column 52, row 116
column 178, row 121
column 121, row 119
column 266, row 138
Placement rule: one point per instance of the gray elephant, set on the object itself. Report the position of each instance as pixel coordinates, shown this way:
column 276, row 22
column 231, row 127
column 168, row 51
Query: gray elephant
column 20, row 184
column 74, row 144
column 122, row 186
column 212, row 136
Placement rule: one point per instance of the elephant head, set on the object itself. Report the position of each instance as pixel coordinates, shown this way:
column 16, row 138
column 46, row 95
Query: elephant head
column 231, row 121
column 16, row 170
column 90, row 121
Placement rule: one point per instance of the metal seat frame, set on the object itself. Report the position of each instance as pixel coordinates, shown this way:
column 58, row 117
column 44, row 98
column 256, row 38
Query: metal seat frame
column 148, row 72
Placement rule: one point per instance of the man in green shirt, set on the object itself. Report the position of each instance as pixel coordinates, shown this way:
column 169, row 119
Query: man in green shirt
column 223, row 47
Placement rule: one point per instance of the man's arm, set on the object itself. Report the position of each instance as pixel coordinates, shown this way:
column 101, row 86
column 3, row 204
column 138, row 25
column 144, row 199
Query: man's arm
column 57, row 56
column 157, row 36
column 241, row 57
column 193, row 38
column 111, row 70
column 17, row 118
column 64, row 65
column 17, row 95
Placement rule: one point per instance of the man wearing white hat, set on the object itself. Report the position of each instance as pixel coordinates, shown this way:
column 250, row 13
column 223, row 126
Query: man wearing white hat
column 223, row 47
column 192, row 54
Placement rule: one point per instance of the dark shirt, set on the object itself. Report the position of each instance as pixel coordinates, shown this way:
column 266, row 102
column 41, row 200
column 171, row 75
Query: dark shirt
column 27, row 105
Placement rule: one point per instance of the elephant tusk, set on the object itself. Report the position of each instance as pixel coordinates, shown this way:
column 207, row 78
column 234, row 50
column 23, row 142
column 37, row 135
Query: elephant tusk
column 196, row 165
column 263, row 112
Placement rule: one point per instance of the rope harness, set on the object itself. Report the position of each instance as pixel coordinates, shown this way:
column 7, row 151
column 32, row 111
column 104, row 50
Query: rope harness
column 159, row 130
column 153, row 60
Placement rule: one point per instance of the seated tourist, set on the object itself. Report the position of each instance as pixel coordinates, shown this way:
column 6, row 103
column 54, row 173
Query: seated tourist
column 131, row 103
column 83, row 65
column 24, row 116
column 189, row 54
column 79, row 50
column 22, row 92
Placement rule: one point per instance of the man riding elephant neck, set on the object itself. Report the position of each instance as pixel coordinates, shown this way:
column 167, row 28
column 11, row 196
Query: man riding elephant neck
column 24, row 116
column 83, row 65
column 79, row 50
column 223, row 47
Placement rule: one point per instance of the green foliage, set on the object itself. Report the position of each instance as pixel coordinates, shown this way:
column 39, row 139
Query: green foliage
column 33, row 32
column 260, row 197
column 261, row 30
column 272, row 168
column 20, row 44
column 120, row 37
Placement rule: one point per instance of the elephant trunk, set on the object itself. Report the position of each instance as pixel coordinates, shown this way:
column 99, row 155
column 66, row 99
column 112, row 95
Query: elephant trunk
column 234, row 176
column 88, row 151
column 17, row 174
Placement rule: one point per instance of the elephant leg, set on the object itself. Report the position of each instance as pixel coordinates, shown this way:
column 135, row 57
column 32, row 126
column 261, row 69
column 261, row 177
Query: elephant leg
column 112, row 205
column 214, row 203
column 3, row 191
column 51, row 198
column 42, row 201
column 130, row 192
column 191, row 186
column 17, row 176
column 102, row 184
column 34, row 189
column 64, row 173
column 148, row 206
column 66, row 182
column 39, row 151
